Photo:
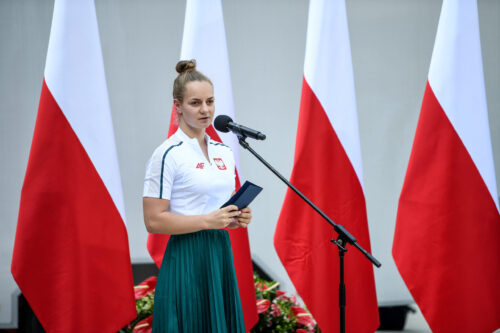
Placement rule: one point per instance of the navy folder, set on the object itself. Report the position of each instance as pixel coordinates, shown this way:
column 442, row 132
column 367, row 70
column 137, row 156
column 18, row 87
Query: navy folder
column 244, row 196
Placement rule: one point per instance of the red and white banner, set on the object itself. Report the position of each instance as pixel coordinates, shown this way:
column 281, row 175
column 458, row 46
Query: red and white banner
column 328, row 170
column 447, row 238
column 71, row 257
column 204, row 39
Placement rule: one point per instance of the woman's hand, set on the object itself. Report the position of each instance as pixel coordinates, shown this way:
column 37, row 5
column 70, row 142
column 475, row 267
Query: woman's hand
column 245, row 217
column 222, row 218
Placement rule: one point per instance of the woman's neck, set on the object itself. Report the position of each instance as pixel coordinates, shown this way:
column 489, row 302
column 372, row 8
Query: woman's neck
column 198, row 133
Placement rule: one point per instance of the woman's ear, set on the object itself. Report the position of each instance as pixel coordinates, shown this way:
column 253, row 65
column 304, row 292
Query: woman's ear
column 177, row 106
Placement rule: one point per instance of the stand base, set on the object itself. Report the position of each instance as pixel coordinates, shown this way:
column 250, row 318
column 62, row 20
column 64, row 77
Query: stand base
column 393, row 318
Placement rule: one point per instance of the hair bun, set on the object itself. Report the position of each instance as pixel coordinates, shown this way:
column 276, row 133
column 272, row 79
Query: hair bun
column 187, row 73
column 184, row 66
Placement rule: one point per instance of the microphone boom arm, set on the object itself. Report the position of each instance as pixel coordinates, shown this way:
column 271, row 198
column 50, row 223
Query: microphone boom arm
column 344, row 235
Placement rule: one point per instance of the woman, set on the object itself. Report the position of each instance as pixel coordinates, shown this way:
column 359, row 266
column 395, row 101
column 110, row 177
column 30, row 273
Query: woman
column 187, row 179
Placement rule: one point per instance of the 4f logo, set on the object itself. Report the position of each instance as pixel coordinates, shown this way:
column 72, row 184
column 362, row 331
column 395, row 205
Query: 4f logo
column 220, row 164
column 200, row 165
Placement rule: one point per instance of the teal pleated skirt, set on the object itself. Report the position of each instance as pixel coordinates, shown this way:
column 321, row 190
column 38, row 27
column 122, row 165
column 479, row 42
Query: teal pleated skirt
column 197, row 289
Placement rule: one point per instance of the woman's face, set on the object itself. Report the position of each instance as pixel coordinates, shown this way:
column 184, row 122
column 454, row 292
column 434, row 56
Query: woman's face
column 197, row 108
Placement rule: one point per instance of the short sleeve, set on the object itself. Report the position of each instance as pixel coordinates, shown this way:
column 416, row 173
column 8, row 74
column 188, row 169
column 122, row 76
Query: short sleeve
column 233, row 162
column 233, row 165
column 160, row 172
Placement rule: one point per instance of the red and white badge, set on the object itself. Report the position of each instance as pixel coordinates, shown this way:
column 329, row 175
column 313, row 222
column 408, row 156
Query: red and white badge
column 220, row 164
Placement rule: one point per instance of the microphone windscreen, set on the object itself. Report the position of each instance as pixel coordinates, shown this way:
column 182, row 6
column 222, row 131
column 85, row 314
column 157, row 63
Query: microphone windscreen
column 220, row 123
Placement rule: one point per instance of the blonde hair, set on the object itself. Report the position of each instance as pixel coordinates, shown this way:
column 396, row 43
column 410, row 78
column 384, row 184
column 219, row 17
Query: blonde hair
column 187, row 73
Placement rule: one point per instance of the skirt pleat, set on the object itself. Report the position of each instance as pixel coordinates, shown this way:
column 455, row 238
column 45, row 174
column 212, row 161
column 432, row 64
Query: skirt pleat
column 197, row 289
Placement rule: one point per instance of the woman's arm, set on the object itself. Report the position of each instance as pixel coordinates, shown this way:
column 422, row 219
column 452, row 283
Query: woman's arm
column 159, row 220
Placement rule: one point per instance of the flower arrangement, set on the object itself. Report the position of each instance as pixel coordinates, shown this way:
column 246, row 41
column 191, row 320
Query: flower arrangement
column 278, row 312
column 144, row 300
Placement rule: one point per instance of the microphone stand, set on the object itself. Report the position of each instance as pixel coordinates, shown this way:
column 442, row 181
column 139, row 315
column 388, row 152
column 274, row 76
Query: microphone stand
column 343, row 238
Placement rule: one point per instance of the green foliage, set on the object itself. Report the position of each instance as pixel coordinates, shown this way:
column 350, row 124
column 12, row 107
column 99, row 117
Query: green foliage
column 144, row 307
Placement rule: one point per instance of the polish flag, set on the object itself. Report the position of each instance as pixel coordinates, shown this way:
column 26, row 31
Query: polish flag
column 204, row 39
column 327, row 169
column 71, row 257
column 447, row 238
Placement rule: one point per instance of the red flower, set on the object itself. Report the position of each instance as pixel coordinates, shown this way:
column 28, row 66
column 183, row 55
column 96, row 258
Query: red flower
column 144, row 326
column 279, row 293
column 297, row 309
column 303, row 317
column 261, row 286
column 301, row 330
column 145, row 287
column 262, row 305
column 275, row 310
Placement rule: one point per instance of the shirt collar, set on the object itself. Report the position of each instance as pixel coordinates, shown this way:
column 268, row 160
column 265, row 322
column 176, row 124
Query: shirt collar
column 184, row 137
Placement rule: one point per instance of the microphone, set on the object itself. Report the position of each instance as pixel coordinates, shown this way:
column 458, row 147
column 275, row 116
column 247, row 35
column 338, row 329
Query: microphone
column 225, row 124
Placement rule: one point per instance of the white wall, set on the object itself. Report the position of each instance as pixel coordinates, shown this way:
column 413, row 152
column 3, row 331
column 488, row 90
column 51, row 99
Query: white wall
column 391, row 43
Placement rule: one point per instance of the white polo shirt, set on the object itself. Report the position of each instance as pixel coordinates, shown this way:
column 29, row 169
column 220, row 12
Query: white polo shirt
column 179, row 171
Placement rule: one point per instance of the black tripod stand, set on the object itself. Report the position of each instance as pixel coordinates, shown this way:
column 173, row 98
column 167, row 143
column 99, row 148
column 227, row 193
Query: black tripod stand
column 344, row 237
